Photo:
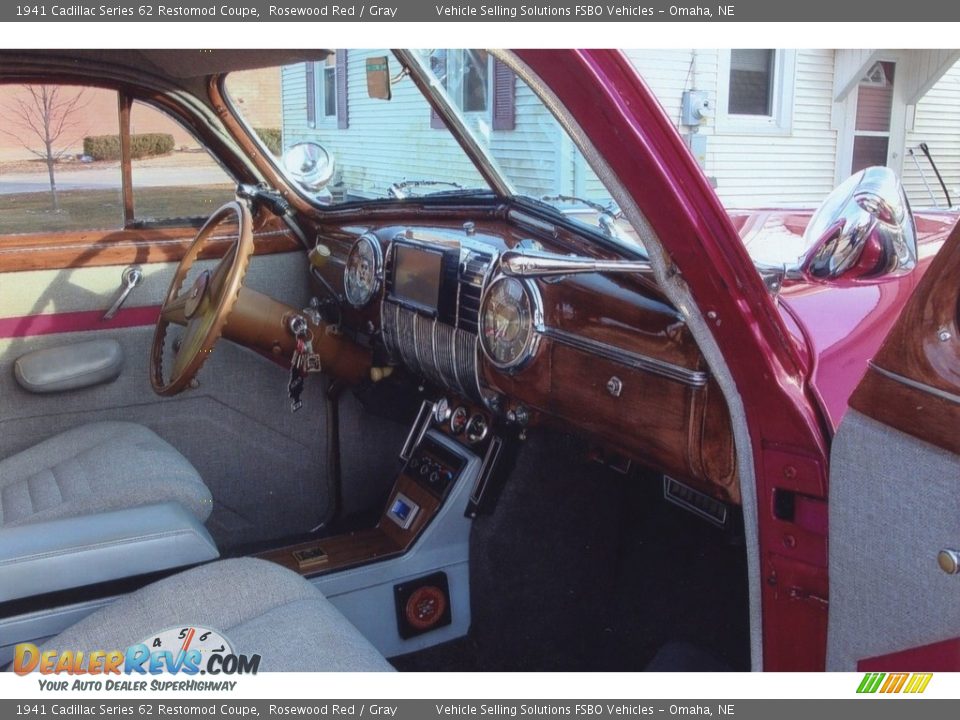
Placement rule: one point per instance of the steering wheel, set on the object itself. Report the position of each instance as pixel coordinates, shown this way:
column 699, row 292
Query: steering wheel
column 205, row 306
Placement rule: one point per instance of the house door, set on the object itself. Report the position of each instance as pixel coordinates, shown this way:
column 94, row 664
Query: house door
column 894, row 481
column 871, row 133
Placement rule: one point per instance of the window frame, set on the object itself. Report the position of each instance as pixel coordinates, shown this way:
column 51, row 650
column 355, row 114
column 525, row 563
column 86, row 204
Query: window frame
column 783, row 85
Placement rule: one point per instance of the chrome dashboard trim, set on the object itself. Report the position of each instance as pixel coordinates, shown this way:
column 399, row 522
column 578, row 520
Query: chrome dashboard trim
column 693, row 378
column 530, row 348
column 916, row 385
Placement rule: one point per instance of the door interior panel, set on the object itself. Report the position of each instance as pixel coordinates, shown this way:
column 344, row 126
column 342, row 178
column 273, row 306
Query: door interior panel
column 895, row 475
column 264, row 466
column 893, row 507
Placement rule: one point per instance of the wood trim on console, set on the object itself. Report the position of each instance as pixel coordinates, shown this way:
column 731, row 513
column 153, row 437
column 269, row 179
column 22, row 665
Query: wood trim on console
column 384, row 541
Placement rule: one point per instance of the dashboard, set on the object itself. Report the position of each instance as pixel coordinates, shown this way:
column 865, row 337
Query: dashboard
column 603, row 356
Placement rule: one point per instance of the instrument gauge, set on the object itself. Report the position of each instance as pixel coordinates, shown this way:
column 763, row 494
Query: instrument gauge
column 361, row 276
column 509, row 315
column 477, row 428
column 441, row 411
column 458, row 420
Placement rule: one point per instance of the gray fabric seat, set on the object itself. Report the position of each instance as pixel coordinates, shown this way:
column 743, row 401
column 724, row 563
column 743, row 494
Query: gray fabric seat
column 97, row 467
column 260, row 607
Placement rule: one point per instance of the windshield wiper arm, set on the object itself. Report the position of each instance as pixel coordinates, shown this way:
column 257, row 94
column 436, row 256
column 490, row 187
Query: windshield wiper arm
column 400, row 190
column 609, row 208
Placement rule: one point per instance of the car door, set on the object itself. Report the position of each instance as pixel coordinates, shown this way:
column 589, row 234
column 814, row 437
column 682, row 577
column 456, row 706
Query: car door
column 895, row 493
column 78, row 210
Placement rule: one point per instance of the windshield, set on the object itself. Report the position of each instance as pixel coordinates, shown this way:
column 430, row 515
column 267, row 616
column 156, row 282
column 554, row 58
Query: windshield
column 356, row 127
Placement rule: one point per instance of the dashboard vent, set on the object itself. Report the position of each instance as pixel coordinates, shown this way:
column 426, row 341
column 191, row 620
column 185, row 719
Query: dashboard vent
column 474, row 272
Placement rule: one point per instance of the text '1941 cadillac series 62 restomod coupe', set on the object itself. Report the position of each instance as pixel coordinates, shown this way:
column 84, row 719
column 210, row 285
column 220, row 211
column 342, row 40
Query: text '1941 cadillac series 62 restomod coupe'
column 455, row 358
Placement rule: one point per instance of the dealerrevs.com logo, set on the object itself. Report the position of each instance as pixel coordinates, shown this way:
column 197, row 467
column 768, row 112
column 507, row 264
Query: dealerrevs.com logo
column 891, row 683
column 185, row 650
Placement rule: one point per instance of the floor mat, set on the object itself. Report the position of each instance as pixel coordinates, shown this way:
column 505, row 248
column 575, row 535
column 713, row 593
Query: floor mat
column 583, row 569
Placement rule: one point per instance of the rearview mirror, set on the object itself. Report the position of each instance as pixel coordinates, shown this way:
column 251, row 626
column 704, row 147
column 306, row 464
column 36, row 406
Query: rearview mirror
column 378, row 78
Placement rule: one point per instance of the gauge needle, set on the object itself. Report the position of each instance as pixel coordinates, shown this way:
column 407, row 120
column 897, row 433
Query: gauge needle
column 187, row 640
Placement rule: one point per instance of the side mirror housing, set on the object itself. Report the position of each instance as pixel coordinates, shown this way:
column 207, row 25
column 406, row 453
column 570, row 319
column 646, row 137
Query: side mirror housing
column 309, row 164
column 864, row 228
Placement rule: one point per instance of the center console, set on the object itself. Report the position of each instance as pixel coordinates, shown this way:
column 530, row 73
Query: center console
column 405, row 582
column 434, row 466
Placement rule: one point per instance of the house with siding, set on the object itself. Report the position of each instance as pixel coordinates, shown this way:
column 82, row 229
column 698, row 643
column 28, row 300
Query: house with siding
column 773, row 127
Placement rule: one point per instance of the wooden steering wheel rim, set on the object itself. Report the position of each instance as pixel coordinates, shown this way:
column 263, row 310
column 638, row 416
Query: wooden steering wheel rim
column 205, row 307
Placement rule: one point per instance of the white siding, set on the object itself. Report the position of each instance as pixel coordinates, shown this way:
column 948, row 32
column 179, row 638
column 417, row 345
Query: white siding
column 937, row 123
column 794, row 169
column 386, row 142
column 392, row 141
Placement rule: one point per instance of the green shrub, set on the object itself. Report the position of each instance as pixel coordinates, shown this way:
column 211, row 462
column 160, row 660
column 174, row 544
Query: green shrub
column 107, row 147
column 270, row 138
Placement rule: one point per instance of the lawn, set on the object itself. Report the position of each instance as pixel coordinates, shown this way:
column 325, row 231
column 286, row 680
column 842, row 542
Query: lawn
column 103, row 209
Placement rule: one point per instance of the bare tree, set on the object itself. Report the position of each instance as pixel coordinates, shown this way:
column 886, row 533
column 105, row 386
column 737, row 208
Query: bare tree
column 44, row 121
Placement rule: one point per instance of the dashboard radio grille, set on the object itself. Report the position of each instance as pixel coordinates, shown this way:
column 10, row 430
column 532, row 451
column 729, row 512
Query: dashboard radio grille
column 444, row 355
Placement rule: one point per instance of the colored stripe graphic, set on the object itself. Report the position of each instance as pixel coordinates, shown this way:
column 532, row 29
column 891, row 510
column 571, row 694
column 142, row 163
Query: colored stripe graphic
column 918, row 683
column 892, row 683
column 80, row 321
column 870, row 682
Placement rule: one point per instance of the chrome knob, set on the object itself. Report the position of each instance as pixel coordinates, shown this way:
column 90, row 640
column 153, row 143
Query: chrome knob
column 949, row 561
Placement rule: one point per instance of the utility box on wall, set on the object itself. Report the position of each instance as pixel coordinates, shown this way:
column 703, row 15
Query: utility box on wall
column 698, row 147
column 695, row 107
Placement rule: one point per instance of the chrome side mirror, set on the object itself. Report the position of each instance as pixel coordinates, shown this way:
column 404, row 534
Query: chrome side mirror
column 309, row 164
column 863, row 229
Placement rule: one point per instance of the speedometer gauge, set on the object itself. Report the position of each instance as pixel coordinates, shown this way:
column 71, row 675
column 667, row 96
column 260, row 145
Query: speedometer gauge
column 509, row 315
column 361, row 276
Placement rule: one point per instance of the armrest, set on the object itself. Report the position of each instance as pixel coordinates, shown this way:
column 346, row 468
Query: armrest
column 55, row 555
column 69, row 367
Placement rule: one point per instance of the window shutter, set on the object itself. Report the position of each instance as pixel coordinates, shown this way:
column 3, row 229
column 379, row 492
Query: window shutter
column 310, row 74
column 343, row 113
column 504, row 97
column 439, row 65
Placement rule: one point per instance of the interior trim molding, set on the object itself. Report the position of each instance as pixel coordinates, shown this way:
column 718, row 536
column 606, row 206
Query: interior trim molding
column 80, row 321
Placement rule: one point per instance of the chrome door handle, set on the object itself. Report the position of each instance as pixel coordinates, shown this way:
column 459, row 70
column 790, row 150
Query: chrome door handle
column 129, row 279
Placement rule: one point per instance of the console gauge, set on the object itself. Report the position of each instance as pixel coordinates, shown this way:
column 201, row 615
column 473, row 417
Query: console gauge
column 458, row 420
column 477, row 428
column 361, row 276
column 441, row 411
column 509, row 316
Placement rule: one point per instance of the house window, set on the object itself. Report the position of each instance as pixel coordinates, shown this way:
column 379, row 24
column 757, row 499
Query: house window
column 468, row 73
column 328, row 87
column 326, row 91
column 755, row 91
column 478, row 84
column 751, row 82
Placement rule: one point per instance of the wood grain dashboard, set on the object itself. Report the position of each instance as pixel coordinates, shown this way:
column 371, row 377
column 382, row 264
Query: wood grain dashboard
column 615, row 362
